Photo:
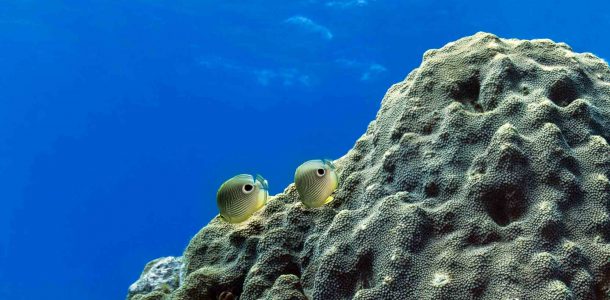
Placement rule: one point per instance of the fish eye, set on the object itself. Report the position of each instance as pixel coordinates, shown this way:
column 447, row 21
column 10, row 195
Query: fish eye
column 247, row 188
column 320, row 172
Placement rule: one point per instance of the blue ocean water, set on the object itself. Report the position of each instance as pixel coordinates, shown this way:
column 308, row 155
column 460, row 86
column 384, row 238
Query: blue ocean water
column 119, row 119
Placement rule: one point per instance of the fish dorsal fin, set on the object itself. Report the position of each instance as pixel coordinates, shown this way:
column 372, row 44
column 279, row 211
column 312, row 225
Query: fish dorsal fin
column 263, row 181
column 329, row 163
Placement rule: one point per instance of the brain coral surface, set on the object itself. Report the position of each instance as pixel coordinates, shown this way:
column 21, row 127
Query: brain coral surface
column 483, row 176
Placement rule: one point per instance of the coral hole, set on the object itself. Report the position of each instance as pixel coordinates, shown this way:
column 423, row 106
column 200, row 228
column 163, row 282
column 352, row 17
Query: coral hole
column 431, row 190
column 504, row 205
column 467, row 93
column 602, row 287
column 563, row 92
column 292, row 268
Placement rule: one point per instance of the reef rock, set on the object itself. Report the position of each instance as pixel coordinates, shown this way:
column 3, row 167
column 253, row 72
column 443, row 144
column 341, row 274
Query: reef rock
column 484, row 176
column 159, row 277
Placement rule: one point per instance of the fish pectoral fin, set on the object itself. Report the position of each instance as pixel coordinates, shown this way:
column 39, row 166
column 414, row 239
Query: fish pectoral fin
column 329, row 199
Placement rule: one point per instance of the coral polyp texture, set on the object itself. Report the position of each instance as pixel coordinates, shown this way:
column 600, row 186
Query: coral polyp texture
column 483, row 176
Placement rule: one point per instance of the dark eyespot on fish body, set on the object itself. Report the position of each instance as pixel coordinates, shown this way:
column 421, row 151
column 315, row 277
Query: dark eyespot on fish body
column 241, row 196
column 316, row 181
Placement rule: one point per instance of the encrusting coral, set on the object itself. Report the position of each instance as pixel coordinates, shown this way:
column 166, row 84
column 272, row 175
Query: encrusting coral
column 484, row 176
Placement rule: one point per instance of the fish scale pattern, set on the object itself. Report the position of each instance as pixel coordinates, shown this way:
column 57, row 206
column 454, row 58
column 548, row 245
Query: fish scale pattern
column 483, row 176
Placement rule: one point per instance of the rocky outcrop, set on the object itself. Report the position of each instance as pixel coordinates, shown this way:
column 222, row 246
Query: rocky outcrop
column 160, row 277
column 484, row 176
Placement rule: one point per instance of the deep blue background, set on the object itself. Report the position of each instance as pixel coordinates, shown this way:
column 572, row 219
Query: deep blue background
column 118, row 121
